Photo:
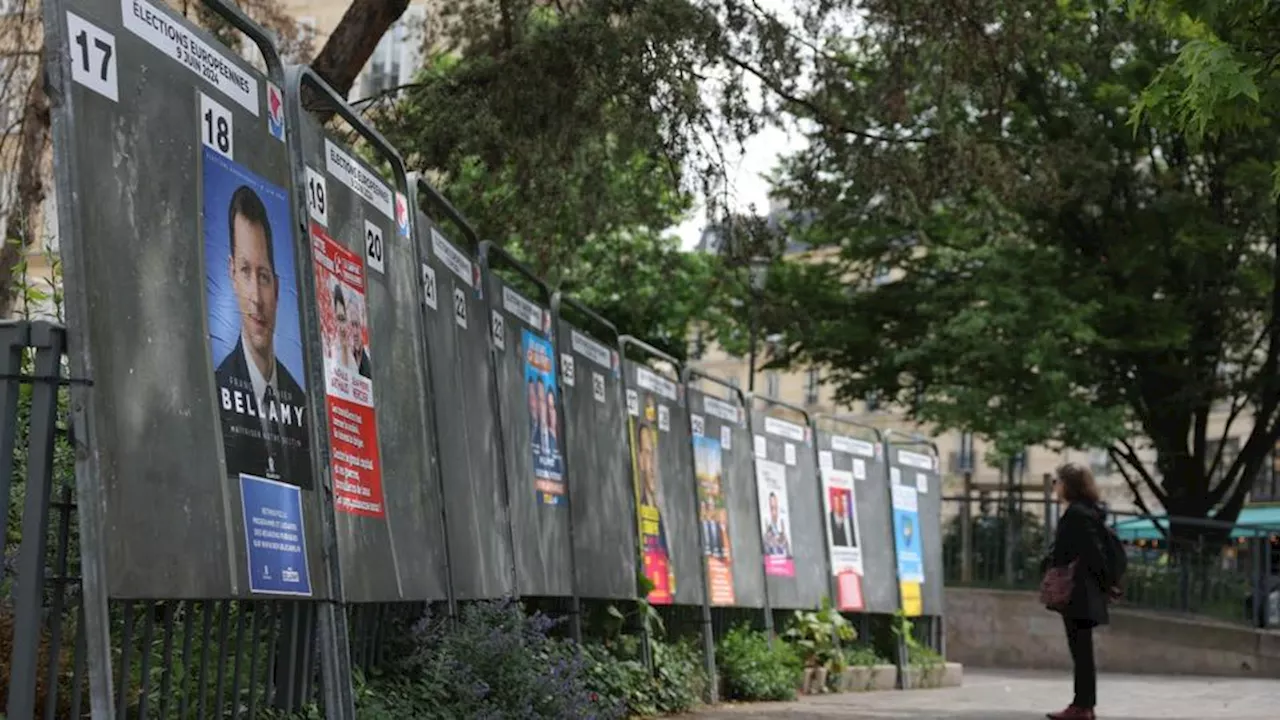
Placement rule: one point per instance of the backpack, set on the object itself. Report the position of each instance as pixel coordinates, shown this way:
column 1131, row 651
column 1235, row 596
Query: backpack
column 1117, row 559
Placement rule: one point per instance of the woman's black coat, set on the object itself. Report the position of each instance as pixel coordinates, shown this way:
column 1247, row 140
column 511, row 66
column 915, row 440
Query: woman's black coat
column 1079, row 537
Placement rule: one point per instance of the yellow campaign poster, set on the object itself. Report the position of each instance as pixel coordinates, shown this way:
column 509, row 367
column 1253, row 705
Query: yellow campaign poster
column 912, row 604
column 654, row 549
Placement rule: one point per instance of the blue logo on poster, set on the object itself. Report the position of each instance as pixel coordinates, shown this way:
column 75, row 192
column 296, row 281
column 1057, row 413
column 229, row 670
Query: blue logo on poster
column 906, row 538
column 274, row 537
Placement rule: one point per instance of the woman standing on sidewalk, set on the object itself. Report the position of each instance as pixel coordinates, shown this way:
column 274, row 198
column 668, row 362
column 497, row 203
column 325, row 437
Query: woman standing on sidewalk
column 1078, row 553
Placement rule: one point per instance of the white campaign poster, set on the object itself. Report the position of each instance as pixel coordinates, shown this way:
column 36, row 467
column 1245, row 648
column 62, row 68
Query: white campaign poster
column 775, row 518
column 842, row 521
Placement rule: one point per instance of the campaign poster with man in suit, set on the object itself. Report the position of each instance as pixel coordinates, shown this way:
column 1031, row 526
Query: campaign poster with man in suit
column 540, row 380
column 775, row 518
column 254, row 335
column 709, row 466
column 844, row 540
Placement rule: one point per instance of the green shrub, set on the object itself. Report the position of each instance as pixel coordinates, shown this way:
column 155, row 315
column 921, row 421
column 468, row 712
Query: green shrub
column 620, row 679
column 754, row 671
column 863, row 656
column 681, row 677
column 815, row 635
column 493, row 662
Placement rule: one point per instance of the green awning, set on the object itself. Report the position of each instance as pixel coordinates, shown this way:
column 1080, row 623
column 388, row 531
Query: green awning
column 1254, row 521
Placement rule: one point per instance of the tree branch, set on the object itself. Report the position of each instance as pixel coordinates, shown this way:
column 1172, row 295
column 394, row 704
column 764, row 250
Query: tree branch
column 1127, row 453
column 1265, row 427
column 821, row 114
column 1133, row 487
column 34, row 140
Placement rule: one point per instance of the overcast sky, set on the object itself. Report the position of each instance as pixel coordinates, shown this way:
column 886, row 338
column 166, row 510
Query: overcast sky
column 747, row 178
column 746, row 172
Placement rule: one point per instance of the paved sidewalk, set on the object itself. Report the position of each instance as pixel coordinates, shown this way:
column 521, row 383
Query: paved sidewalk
column 1017, row 695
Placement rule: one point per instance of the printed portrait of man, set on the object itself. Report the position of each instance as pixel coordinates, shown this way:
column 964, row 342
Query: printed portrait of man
column 553, row 423
column 647, row 466
column 776, row 542
column 842, row 534
column 535, row 413
column 264, row 422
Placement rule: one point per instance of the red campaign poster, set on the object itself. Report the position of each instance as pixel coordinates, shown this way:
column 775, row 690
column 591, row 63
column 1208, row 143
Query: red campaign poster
column 344, row 333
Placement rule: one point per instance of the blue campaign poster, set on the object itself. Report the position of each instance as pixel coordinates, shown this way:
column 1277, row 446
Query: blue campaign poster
column 274, row 537
column 906, row 534
column 544, row 408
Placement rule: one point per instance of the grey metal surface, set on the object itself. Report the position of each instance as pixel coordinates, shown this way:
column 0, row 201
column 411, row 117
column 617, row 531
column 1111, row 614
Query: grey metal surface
column 138, row 308
column 392, row 550
column 540, row 524
column 739, row 486
column 472, row 469
column 600, row 480
column 874, row 511
column 930, row 511
column 677, row 496
column 808, row 539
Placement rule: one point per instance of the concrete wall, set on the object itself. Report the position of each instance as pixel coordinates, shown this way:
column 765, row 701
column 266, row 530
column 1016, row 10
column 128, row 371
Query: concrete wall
column 1010, row 629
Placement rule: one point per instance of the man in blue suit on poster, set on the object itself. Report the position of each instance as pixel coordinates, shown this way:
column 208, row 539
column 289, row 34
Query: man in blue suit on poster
column 264, row 424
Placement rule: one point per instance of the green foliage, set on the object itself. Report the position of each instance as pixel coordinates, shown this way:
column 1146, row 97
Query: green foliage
column 819, row 635
column 1056, row 277
column 751, row 670
column 920, row 656
column 493, row 662
column 1222, row 81
column 675, row 686
column 563, row 133
column 862, row 655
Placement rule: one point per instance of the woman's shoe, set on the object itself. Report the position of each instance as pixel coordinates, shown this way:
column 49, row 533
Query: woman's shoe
column 1073, row 713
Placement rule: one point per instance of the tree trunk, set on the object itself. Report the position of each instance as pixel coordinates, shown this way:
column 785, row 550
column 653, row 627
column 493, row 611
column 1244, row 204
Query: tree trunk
column 30, row 189
column 353, row 41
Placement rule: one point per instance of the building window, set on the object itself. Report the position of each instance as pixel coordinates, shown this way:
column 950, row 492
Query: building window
column 397, row 55
column 771, row 384
column 872, row 401
column 303, row 46
column 1230, row 449
column 1266, row 488
column 1100, row 462
column 812, row 383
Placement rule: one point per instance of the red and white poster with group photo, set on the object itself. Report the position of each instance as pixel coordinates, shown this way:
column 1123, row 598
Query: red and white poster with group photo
column 344, row 333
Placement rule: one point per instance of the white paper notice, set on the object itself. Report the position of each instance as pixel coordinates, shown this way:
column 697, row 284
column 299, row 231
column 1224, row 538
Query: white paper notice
column 789, row 454
column 726, row 437
column 859, row 469
column 761, row 447
column 895, row 476
column 826, row 460
column 922, row 483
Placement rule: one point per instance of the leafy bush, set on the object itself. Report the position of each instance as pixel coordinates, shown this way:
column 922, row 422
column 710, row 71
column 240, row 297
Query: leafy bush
column 680, row 675
column 675, row 685
column 862, row 656
column 494, row 662
column 753, row 671
column 815, row 635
